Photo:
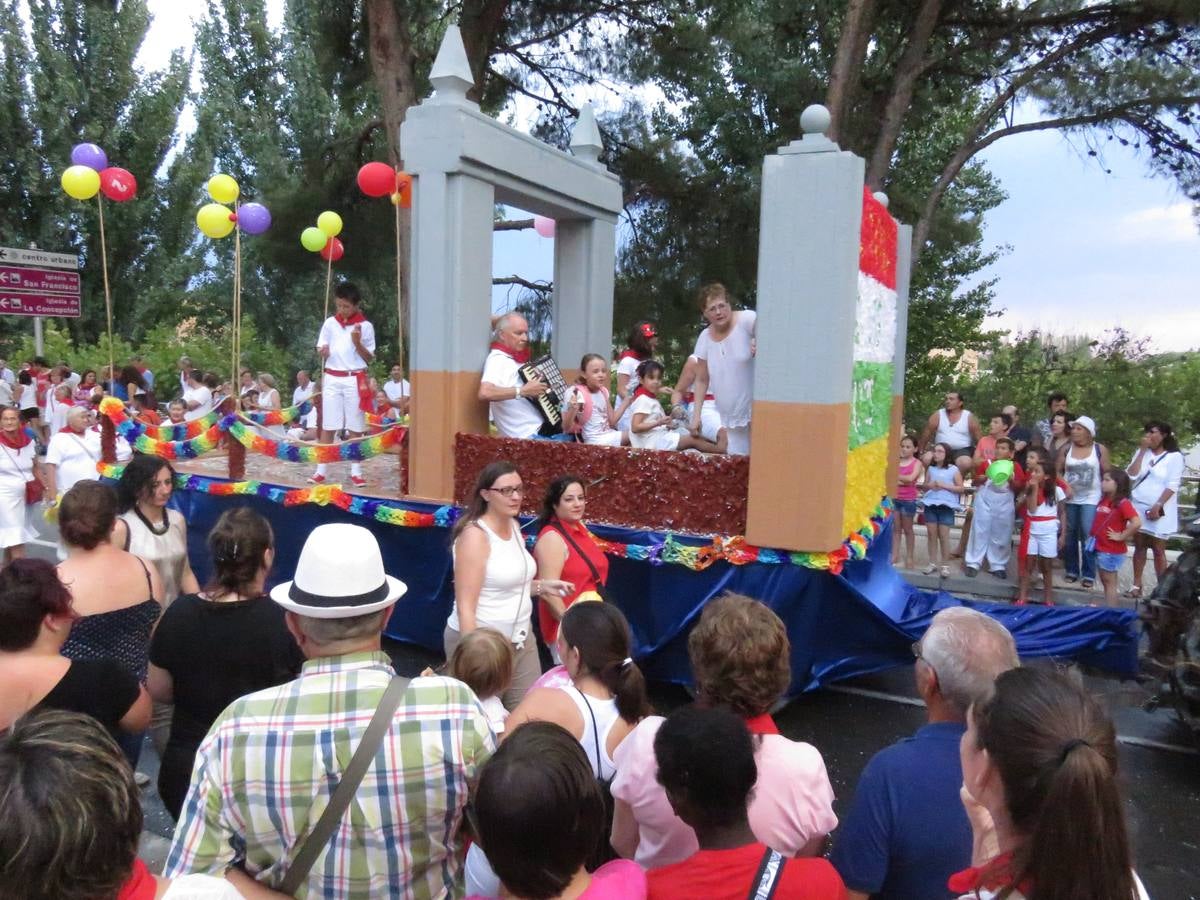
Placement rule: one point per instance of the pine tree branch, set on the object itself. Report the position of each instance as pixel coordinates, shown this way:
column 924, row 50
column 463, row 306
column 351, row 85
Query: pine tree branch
column 540, row 286
column 512, row 224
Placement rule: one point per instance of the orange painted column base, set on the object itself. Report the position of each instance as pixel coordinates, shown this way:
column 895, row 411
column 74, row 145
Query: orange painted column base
column 797, row 475
column 443, row 404
column 895, row 432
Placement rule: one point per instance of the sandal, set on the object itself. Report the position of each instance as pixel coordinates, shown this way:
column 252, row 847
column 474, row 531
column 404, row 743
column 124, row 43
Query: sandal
column 1086, row 584
column 1135, row 592
column 1070, row 579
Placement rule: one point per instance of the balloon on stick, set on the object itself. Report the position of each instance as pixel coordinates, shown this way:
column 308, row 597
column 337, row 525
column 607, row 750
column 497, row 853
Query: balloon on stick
column 330, row 223
column 118, row 184
column 543, row 226
column 81, row 182
column 313, row 239
column 215, row 221
column 333, row 250
column 223, row 188
column 89, row 155
column 253, row 218
column 376, row 179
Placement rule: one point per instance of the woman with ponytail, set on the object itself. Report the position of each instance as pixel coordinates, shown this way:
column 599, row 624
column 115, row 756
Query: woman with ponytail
column 607, row 695
column 219, row 644
column 1039, row 764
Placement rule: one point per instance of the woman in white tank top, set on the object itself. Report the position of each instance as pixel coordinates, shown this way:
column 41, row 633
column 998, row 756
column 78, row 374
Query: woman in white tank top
column 1082, row 465
column 493, row 574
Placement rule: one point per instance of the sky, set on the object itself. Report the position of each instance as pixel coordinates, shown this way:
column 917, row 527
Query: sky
column 1089, row 250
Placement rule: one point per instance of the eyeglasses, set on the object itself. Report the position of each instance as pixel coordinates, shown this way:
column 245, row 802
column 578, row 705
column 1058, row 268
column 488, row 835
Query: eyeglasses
column 510, row 491
column 916, row 652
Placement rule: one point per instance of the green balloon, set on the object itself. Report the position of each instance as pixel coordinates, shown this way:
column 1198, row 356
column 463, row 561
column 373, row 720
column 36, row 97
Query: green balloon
column 313, row 239
column 1000, row 471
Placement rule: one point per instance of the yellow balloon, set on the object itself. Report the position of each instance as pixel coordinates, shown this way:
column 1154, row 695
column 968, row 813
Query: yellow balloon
column 313, row 239
column 330, row 223
column 81, row 182
column 214, row 220
column 223, row 188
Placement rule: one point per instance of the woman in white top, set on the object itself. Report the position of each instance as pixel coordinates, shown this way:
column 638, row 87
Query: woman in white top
column 18, row 466
column 198, row 397
column 1156, row 470
column 493, row 574
column 725, row 364
column 1081, row 464
column 72, row 454
column 600, row 707
column 1042, row 794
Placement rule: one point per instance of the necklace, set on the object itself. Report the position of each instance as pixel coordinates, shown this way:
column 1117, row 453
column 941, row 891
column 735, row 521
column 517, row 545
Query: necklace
column 166, row 524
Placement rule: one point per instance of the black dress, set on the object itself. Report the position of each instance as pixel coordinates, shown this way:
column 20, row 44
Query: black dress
column 100, row 688
column 215, row 653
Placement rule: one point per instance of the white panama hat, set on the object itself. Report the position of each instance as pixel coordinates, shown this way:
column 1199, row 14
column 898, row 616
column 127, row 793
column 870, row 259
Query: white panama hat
column 340, row 574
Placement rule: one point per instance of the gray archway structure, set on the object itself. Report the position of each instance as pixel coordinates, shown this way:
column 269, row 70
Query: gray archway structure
column 463, row 163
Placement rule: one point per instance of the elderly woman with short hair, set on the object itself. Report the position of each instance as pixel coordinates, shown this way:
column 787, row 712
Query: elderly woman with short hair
column 740, row 657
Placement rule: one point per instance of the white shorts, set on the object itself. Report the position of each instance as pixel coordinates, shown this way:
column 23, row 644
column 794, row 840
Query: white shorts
column 606, row 439
column 339, row 404
column 1045, row 545
column 710, row 420
column 662, row 440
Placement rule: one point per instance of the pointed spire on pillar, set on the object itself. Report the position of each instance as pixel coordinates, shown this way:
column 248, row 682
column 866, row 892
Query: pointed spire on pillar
column 585, row 136
column 451, row 74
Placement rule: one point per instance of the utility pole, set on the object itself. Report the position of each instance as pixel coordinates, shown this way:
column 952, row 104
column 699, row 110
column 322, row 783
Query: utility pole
column 39, row 347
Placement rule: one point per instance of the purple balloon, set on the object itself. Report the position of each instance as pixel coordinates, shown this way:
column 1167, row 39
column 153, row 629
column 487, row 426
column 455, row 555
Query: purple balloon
column 253, row 218
column 89, row 155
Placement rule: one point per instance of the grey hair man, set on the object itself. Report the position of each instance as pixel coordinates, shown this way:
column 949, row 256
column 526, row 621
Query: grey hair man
column 501, row 385
column 907, row 831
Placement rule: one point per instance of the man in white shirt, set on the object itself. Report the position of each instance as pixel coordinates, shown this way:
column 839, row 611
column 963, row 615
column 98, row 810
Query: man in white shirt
column 398, row 391
column 304, row 388
column 347, row 345
column 501, row 386
column 6, row 374
column 725, row 366
column 302, row 394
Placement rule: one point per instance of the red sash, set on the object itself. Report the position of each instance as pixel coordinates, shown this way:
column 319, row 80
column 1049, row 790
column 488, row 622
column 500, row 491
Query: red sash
column 629, row 354
column 366, row 402
column 520, row 358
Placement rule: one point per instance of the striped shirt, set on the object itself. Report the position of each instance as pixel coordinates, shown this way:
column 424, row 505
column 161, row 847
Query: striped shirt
column 271, row 761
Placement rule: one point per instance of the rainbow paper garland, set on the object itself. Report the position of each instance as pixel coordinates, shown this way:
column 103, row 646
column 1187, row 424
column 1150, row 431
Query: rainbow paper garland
column 277, row 416
column 672, row 550
column 355, row 450
column 378, row 421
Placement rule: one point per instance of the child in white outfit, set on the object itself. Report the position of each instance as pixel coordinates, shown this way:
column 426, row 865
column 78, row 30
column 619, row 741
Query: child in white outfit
column 650, row 428
column 483, row 661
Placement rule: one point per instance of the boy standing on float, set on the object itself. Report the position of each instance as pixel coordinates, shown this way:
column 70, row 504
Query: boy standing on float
column 346, row 346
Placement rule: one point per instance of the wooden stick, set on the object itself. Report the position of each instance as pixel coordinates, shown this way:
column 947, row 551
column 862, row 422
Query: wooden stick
column 328, row 280
column 112, row 368
column 235, row 312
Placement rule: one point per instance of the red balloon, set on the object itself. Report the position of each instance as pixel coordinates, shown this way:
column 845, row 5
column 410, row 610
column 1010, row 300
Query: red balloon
column 118, row 184
column 333, row 250
column 377, row 179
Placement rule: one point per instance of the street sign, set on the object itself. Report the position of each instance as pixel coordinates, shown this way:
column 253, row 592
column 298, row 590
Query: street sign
column 20, row 278
column 15, row 256
column 38, row 303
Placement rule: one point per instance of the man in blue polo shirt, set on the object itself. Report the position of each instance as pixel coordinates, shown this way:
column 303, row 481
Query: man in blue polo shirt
column 906, row 832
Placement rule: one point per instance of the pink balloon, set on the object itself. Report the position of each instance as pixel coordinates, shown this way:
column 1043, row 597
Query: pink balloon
column 543, row 226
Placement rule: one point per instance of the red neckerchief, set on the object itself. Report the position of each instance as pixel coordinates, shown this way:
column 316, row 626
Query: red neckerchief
column 629, row 354
column 642, row 392
column 992, row 876
column 520, row 357
column 762, row 724
column 357, row 319
column 141, row 884
column 21, row 441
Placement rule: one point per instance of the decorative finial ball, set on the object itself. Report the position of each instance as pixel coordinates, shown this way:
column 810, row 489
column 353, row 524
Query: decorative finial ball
column 882, row 198
column 815, row 119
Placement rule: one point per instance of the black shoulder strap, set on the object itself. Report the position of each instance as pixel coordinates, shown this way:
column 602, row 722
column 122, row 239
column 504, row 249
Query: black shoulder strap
column 570, row 540
column 766, row 879
column 364, row 754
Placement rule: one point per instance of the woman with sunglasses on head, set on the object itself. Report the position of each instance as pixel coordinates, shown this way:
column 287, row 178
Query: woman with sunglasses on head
column 493, row 574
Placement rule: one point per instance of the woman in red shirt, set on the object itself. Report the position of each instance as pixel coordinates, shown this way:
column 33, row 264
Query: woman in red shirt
column 565, row 551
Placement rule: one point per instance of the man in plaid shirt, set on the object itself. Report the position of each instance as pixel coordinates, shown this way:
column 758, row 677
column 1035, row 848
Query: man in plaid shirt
column 271, row 762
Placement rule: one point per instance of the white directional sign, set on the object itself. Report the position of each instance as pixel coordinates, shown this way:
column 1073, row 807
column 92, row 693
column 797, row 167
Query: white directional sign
column 14, row 256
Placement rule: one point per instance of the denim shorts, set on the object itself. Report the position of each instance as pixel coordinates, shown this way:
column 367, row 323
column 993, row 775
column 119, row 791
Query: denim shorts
column 939, row 514
column 905, row 508
column 1110, row 562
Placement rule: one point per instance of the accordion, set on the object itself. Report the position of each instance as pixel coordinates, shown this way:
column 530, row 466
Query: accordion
column 549, row 405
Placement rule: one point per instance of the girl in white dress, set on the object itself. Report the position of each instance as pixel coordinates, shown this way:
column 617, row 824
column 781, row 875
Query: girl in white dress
column 587, row 410
column 650, row 428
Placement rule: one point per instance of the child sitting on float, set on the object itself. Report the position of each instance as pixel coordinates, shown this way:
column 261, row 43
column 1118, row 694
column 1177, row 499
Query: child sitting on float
column 651, row 428
column 587, row 410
